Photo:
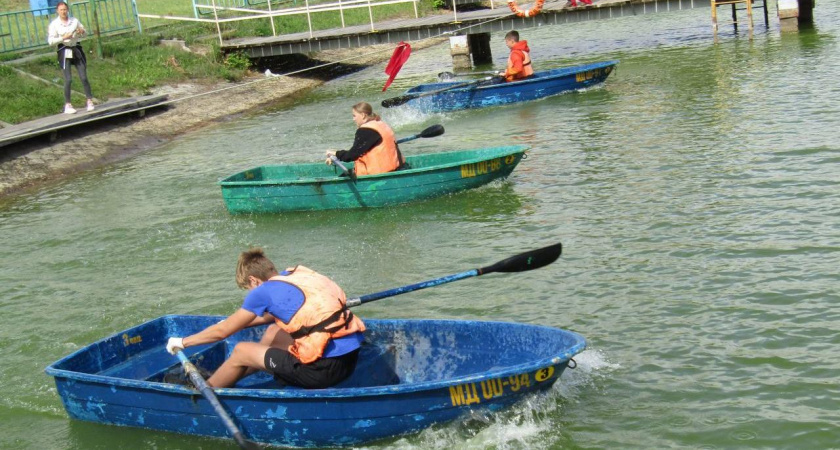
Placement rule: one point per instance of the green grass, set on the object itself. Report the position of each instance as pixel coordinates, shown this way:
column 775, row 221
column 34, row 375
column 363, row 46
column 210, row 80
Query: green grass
column 14, row 5
column 130, row 67
column 26, row 99
column 133, row 63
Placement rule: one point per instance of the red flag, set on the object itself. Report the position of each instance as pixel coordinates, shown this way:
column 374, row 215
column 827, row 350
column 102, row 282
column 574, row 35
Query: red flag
column 399, row 58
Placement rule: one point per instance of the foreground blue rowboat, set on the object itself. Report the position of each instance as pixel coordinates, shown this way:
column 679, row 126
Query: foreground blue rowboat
column 542, row 84
column 411, row 374
column 302, row 187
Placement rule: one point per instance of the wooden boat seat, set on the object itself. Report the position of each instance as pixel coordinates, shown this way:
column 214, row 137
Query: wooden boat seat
column 155, row 368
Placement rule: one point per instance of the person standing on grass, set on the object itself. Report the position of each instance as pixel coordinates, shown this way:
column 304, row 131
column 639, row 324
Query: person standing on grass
column 65, row 32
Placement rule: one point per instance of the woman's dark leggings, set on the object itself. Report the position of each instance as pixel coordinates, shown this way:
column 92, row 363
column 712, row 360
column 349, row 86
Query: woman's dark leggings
column 68, row 77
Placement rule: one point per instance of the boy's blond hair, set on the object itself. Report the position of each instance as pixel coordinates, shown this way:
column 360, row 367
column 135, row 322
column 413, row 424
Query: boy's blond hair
column 253, row 262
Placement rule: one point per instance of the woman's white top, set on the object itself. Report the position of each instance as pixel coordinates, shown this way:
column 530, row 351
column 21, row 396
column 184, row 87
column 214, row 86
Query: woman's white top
column 58, row 29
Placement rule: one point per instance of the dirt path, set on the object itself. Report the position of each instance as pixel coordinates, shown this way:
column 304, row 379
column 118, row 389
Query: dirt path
column 33, row 164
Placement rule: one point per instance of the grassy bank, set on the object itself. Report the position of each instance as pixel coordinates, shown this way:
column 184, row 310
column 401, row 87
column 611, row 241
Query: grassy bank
column 132, row 64
column 129, row 67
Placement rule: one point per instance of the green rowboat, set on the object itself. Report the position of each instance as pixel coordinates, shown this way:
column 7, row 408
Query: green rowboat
column 310, row 187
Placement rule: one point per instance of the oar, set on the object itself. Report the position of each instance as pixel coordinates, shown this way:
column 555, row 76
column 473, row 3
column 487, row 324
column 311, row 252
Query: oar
column 432, row 131
column 451, row 75
column 522, row 262
column 208, row 393
column 338, row 163
column 402, row 99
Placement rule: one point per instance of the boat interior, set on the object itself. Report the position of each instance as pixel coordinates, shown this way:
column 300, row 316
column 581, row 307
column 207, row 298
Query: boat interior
column 394, row 352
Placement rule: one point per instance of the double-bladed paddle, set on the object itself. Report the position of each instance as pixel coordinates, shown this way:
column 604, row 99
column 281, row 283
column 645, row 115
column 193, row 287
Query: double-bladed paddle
column 208, row 393
column 522, row 262
column 402, row 99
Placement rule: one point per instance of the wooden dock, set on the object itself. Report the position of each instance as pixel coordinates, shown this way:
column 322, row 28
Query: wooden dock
column 469, row 22
column 53, row 124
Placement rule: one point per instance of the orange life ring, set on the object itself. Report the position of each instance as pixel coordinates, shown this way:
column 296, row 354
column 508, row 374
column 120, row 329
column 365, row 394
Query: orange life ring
column 528, row 12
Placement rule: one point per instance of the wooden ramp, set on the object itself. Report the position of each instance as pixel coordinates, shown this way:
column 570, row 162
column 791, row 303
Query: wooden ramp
column 53, row 124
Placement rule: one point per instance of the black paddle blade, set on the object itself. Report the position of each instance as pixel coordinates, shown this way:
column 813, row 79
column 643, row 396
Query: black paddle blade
column 397, row 101
column 432, row 131
column 522, row 262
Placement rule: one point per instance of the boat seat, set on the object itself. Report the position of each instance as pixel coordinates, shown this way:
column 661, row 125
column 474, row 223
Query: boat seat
column 208, row 358
column 376, row 367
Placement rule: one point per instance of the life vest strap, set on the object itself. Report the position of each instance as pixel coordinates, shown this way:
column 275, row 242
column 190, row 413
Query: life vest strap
column 344, row 312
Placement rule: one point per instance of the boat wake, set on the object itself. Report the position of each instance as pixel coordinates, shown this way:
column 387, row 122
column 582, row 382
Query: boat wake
column 399, row 117
column 534, row 423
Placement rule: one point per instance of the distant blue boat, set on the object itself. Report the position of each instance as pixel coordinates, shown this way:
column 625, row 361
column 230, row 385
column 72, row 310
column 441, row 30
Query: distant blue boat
column 542, row 84
column 411, row 374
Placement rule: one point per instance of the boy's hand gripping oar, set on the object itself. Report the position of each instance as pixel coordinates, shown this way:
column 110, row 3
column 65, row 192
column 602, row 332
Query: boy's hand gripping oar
column 208, row 393
column 522, row 262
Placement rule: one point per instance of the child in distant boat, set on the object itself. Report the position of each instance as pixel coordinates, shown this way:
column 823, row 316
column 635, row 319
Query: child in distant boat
column 519, row 61
column 374, row 149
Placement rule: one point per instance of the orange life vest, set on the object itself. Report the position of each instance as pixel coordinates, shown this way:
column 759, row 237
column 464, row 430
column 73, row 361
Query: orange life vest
column 323, row 315
column 527, row 70
column 383, row 157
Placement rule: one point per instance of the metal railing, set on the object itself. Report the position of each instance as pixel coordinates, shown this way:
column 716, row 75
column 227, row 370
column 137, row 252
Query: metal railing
column 24, row 30
column 269, row 13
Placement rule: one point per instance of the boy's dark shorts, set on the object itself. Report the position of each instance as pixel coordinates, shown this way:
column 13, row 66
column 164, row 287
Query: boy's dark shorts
column 323, row 373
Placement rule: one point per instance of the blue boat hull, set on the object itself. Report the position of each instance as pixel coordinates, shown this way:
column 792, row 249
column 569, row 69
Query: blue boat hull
column 411, row 374
column 542, row 84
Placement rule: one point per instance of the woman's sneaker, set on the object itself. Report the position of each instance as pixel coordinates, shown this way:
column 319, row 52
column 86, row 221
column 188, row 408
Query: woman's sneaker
column 68, row 109
column 90, row 105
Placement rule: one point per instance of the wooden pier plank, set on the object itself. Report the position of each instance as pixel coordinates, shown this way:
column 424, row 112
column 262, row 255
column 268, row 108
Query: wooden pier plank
column 55, row 123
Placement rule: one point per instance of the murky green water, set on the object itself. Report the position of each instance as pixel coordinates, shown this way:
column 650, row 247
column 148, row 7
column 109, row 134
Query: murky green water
column 697, row 194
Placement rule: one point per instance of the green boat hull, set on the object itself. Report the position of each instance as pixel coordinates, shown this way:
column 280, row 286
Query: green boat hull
column 312, row 187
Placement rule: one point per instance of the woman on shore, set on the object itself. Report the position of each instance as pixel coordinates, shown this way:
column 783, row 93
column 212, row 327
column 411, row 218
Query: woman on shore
column 65, row 32
column 374, row 148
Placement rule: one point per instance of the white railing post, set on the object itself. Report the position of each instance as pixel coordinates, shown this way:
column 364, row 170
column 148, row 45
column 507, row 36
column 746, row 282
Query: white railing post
column 455, row 11
column 308, row 18
column 271, row 18
column 218, row 28
column 370, row 13
column 341, row 13
column 416, row 16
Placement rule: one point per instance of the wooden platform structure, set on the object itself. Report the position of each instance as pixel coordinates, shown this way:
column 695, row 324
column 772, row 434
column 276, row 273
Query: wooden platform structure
column 471, row 22
column 53, row 124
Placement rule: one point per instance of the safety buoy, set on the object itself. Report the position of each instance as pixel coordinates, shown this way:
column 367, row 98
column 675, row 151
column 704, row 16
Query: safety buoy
column 527, row 12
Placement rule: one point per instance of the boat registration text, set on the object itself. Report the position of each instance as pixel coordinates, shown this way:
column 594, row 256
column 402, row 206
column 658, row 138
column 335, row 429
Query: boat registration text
column 468, row 394
column 484, row 167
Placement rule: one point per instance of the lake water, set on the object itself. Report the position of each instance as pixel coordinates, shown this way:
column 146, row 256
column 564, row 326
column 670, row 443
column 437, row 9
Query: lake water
column 696, row 192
